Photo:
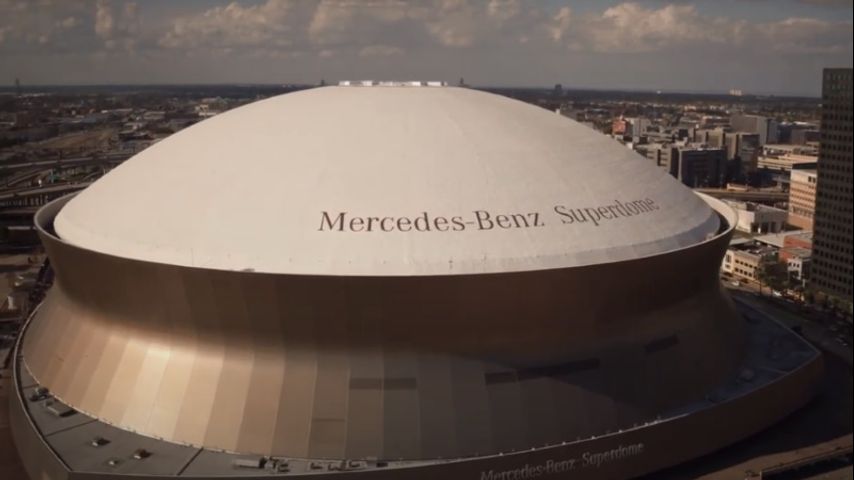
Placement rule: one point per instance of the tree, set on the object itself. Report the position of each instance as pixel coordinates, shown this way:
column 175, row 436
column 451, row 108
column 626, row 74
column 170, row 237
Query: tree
column 773, row 274
column 809, row 296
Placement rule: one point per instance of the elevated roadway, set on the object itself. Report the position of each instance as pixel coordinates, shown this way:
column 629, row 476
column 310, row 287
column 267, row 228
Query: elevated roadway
column 758, row 196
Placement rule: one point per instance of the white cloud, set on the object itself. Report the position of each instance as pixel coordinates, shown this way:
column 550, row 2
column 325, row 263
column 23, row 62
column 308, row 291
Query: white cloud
column 104, row 22
column 632, row 28
column 39, row 24
column 350, row 24
column 503, row 39
column 559, row 24
column 118, row 28
column 806, row 35
column 358, row 22
column 503, row 10
column 380, row 51
column 68, row 22
column 267, row 24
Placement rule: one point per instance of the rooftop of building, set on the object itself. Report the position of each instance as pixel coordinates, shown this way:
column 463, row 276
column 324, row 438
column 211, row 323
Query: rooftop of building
column 804, row 172
column 779, row 239
column 754, row 249
column 751, row 206
column 797, row 252
column 785, row 148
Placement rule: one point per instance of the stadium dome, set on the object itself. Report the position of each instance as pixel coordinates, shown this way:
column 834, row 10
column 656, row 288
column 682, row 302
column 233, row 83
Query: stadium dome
column 411, row 282
column 386, row 181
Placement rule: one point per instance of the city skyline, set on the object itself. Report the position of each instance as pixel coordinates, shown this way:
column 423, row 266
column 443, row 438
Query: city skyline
column 644, row 45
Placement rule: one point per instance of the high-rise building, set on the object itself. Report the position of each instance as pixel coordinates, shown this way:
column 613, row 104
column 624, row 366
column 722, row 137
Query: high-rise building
column 832, row 244
column 798, row 133
column 639, row 125
column 802, row 136
column 713, row 137
column 802, row 198
column 767, row 128
column 694, row 165
column 701, row 167
column 744, row 146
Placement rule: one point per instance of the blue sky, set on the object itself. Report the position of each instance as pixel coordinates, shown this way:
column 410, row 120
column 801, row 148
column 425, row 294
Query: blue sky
column 760, row 46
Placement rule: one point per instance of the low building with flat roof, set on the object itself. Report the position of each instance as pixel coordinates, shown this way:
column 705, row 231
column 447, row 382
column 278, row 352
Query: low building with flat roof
column 756, row 218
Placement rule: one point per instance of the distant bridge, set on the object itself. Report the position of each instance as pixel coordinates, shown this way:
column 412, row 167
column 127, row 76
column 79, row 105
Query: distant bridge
column 110, row 158
column 763, row 197
column 38, row 196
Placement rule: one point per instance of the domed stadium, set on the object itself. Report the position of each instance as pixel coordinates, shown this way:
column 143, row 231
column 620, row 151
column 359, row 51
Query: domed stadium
column 399, row 281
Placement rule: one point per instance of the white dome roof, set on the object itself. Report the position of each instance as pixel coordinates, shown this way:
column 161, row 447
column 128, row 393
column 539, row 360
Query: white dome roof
column 386, row 181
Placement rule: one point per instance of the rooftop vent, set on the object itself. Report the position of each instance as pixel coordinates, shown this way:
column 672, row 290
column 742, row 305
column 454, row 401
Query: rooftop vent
column 40, row 393
column 375, row 83
column 141, row 454
column 58, row 408
column 99, row 442
column 279, row 465
column 257, row 462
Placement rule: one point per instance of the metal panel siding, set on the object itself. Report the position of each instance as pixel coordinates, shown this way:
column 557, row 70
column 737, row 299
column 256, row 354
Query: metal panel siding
column 387, row 367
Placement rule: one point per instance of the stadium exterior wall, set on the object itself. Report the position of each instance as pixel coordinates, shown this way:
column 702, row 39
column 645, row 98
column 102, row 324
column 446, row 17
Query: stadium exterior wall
column 389, row 367
column 212, row 342
column 742, row 417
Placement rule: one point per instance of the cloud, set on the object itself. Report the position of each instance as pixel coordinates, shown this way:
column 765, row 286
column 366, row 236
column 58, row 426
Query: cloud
column 104, row 22
column 380, row 51
column 503, row 10
column 31, row 26
column 68, row 22
column 828, row 3
column 118, row 28
column 268, row 25
column 559, row 24
column 501, row 39
column 341, row 22
column 464, row 23
column 353, row 25
column 632, row 28
column 806, row 36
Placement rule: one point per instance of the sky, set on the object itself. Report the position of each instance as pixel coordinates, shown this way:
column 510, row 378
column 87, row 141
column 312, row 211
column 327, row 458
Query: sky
column 758, row 46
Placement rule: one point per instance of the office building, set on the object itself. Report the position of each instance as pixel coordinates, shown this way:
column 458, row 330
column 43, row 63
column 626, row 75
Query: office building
column 693, row 164
column 802, row 189
column 749, row 262
column 783, row 158
column 765, row 127
column 832, row 259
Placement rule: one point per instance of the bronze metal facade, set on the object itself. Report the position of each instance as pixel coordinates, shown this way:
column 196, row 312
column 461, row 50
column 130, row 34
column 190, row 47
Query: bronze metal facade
column 503, row 372
column 388, row 367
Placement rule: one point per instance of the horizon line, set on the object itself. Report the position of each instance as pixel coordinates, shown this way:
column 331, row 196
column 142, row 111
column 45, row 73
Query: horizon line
column 748, row 94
